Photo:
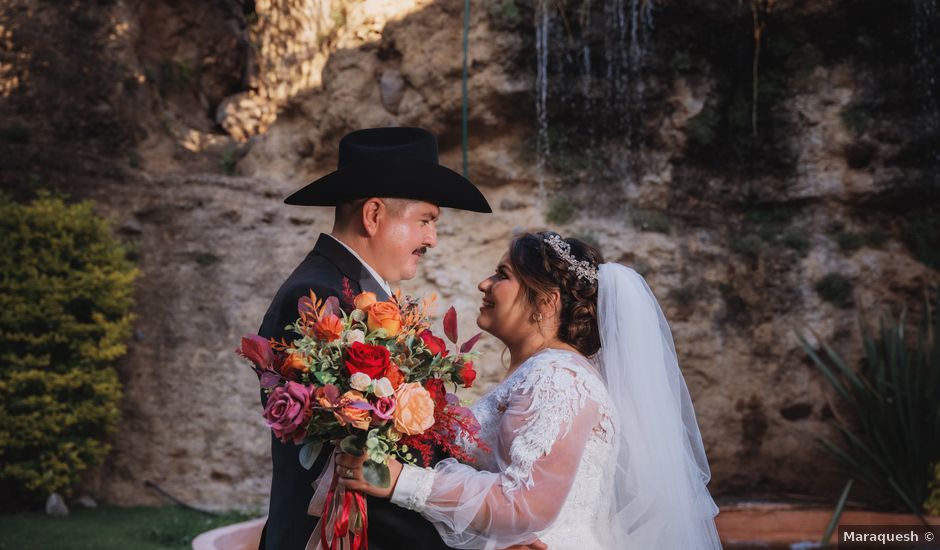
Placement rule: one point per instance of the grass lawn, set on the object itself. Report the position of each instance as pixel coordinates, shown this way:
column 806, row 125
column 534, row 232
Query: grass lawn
column 107, row 528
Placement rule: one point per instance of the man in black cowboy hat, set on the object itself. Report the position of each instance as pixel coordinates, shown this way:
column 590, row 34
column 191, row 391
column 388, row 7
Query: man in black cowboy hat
column 388, row 192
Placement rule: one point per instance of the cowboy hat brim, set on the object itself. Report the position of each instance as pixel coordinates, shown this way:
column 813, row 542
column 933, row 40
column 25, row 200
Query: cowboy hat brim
column 403, row 178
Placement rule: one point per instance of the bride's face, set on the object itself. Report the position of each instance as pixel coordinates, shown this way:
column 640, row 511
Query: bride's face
column 504, row 313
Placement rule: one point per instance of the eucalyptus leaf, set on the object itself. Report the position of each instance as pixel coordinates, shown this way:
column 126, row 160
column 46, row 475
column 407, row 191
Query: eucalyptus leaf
column 352, row 445
column 376, row 474
column 309, row 453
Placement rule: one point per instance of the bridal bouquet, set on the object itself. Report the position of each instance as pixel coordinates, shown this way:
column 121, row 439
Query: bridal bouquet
column 375, row 381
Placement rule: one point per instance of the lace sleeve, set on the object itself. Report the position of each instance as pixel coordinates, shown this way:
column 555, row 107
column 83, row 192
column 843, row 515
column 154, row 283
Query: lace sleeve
column 542, row 435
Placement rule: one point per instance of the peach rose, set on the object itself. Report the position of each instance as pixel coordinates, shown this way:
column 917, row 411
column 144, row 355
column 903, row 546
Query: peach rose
column 414, row 410
column 364, row 300
column 349, row 414
column 328, row 328
column 385, row 315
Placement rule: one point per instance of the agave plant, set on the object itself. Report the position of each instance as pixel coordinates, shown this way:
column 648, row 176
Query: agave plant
column 891, row 436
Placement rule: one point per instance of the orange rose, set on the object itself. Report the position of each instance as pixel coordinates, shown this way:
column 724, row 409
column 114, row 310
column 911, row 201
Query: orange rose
column 347, row 414
column 364, row 300
column 293, row 366
column 328, row 328
column 394, row 375
column 414, row 409
column 385, row 315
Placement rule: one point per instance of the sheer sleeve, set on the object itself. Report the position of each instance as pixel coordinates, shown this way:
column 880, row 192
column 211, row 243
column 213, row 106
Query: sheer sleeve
column 542, row 435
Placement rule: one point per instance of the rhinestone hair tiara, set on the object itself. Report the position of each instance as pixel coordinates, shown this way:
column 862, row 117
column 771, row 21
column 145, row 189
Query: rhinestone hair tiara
column 583, row 268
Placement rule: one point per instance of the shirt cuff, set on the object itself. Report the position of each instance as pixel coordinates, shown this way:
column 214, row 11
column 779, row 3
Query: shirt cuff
column 413, row 487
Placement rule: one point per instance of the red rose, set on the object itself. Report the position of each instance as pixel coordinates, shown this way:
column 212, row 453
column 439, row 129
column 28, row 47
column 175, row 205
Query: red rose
column 434, row 344
column 466, row 374
column 367, row 359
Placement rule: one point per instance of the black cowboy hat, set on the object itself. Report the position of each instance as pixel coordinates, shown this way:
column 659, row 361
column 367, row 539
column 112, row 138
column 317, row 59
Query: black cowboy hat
column 391, row 162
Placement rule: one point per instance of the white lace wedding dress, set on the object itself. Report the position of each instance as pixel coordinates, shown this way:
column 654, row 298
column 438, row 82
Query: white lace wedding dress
column 551, row 431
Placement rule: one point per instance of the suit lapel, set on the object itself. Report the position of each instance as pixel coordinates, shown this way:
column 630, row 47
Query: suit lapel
column 349, row 265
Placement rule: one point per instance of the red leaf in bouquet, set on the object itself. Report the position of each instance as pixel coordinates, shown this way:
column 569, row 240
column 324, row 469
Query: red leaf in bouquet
column 257, row 350
column 330, row 307
column 434, row 344
column 435, row 387
column 450, row 324
column 269, row 379
column 368, row 359
column 468, row 345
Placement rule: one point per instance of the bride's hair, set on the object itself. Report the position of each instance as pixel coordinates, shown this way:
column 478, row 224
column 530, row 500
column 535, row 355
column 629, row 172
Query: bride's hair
column 540, row 269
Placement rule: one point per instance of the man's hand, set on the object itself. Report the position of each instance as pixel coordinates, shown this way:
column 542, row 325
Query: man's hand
column 348, row 471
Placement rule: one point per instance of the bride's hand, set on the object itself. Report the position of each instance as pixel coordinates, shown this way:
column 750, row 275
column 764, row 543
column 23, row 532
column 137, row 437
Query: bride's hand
column 536, row 545
column 348, row 470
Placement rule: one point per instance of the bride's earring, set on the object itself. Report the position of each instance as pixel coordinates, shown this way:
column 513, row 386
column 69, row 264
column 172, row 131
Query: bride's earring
column 537, row 316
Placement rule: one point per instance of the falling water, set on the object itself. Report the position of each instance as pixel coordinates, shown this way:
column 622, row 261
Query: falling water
column 541, row 84
column 925, row 23
column 626, row 30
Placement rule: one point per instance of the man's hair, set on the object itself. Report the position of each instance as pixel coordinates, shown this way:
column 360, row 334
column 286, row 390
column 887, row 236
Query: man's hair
column 347, row 212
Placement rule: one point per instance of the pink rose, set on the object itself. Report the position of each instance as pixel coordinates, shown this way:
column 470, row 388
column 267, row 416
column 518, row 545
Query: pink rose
column 288, row 410
column 384, row 408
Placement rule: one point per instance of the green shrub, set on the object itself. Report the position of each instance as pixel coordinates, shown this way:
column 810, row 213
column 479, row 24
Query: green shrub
column 856, row 117
column 890, row 436
column 849, row 242
column 560, row 211
column 651, row 220
column 922, row 235
column 836, row 289
column 932, row 504
column 66, row 292
column 796, row 239
column 701, row 128
column 748, row 246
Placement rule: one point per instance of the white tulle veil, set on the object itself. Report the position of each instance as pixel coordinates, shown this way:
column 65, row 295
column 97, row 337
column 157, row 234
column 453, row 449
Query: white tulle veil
column 660, row 497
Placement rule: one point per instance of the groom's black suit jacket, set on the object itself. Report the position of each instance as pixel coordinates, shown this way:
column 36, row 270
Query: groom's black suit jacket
column 289, row 526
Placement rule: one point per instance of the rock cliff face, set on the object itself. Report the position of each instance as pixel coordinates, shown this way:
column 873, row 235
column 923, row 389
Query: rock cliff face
column 189, row 122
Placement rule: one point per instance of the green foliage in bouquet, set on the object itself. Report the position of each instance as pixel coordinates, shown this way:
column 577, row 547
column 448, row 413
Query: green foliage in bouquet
column 891, row 440
column 66, row 293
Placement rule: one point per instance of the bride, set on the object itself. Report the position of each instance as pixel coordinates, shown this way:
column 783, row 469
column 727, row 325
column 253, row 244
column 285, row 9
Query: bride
column 593, row 438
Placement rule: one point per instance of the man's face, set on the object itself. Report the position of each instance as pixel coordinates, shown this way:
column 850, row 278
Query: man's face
column 405, row 232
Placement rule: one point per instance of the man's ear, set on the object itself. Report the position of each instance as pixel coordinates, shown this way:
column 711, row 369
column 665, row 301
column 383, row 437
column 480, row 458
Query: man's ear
column 373, row 211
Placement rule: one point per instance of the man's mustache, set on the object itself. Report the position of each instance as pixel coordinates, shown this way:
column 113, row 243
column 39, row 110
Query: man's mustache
column 421, row 251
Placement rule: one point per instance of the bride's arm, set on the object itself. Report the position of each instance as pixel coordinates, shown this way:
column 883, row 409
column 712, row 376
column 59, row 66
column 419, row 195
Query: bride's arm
column 542, row 437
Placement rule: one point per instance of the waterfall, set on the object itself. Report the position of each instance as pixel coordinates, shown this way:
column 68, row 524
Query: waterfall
column 926, row 66
column 542, row 28
column 623, row 31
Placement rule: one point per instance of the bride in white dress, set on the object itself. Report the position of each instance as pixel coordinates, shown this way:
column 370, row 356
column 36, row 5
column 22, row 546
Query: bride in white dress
column 592, row 436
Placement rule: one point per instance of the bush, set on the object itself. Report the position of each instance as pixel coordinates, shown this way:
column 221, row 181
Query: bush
column 66, row 291
column 836, row 289
column 932, row 504
column 560, row 211
column 891, row 437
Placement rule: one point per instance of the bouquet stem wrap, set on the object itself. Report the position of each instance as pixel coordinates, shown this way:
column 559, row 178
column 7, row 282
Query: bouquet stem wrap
column 344, row 520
